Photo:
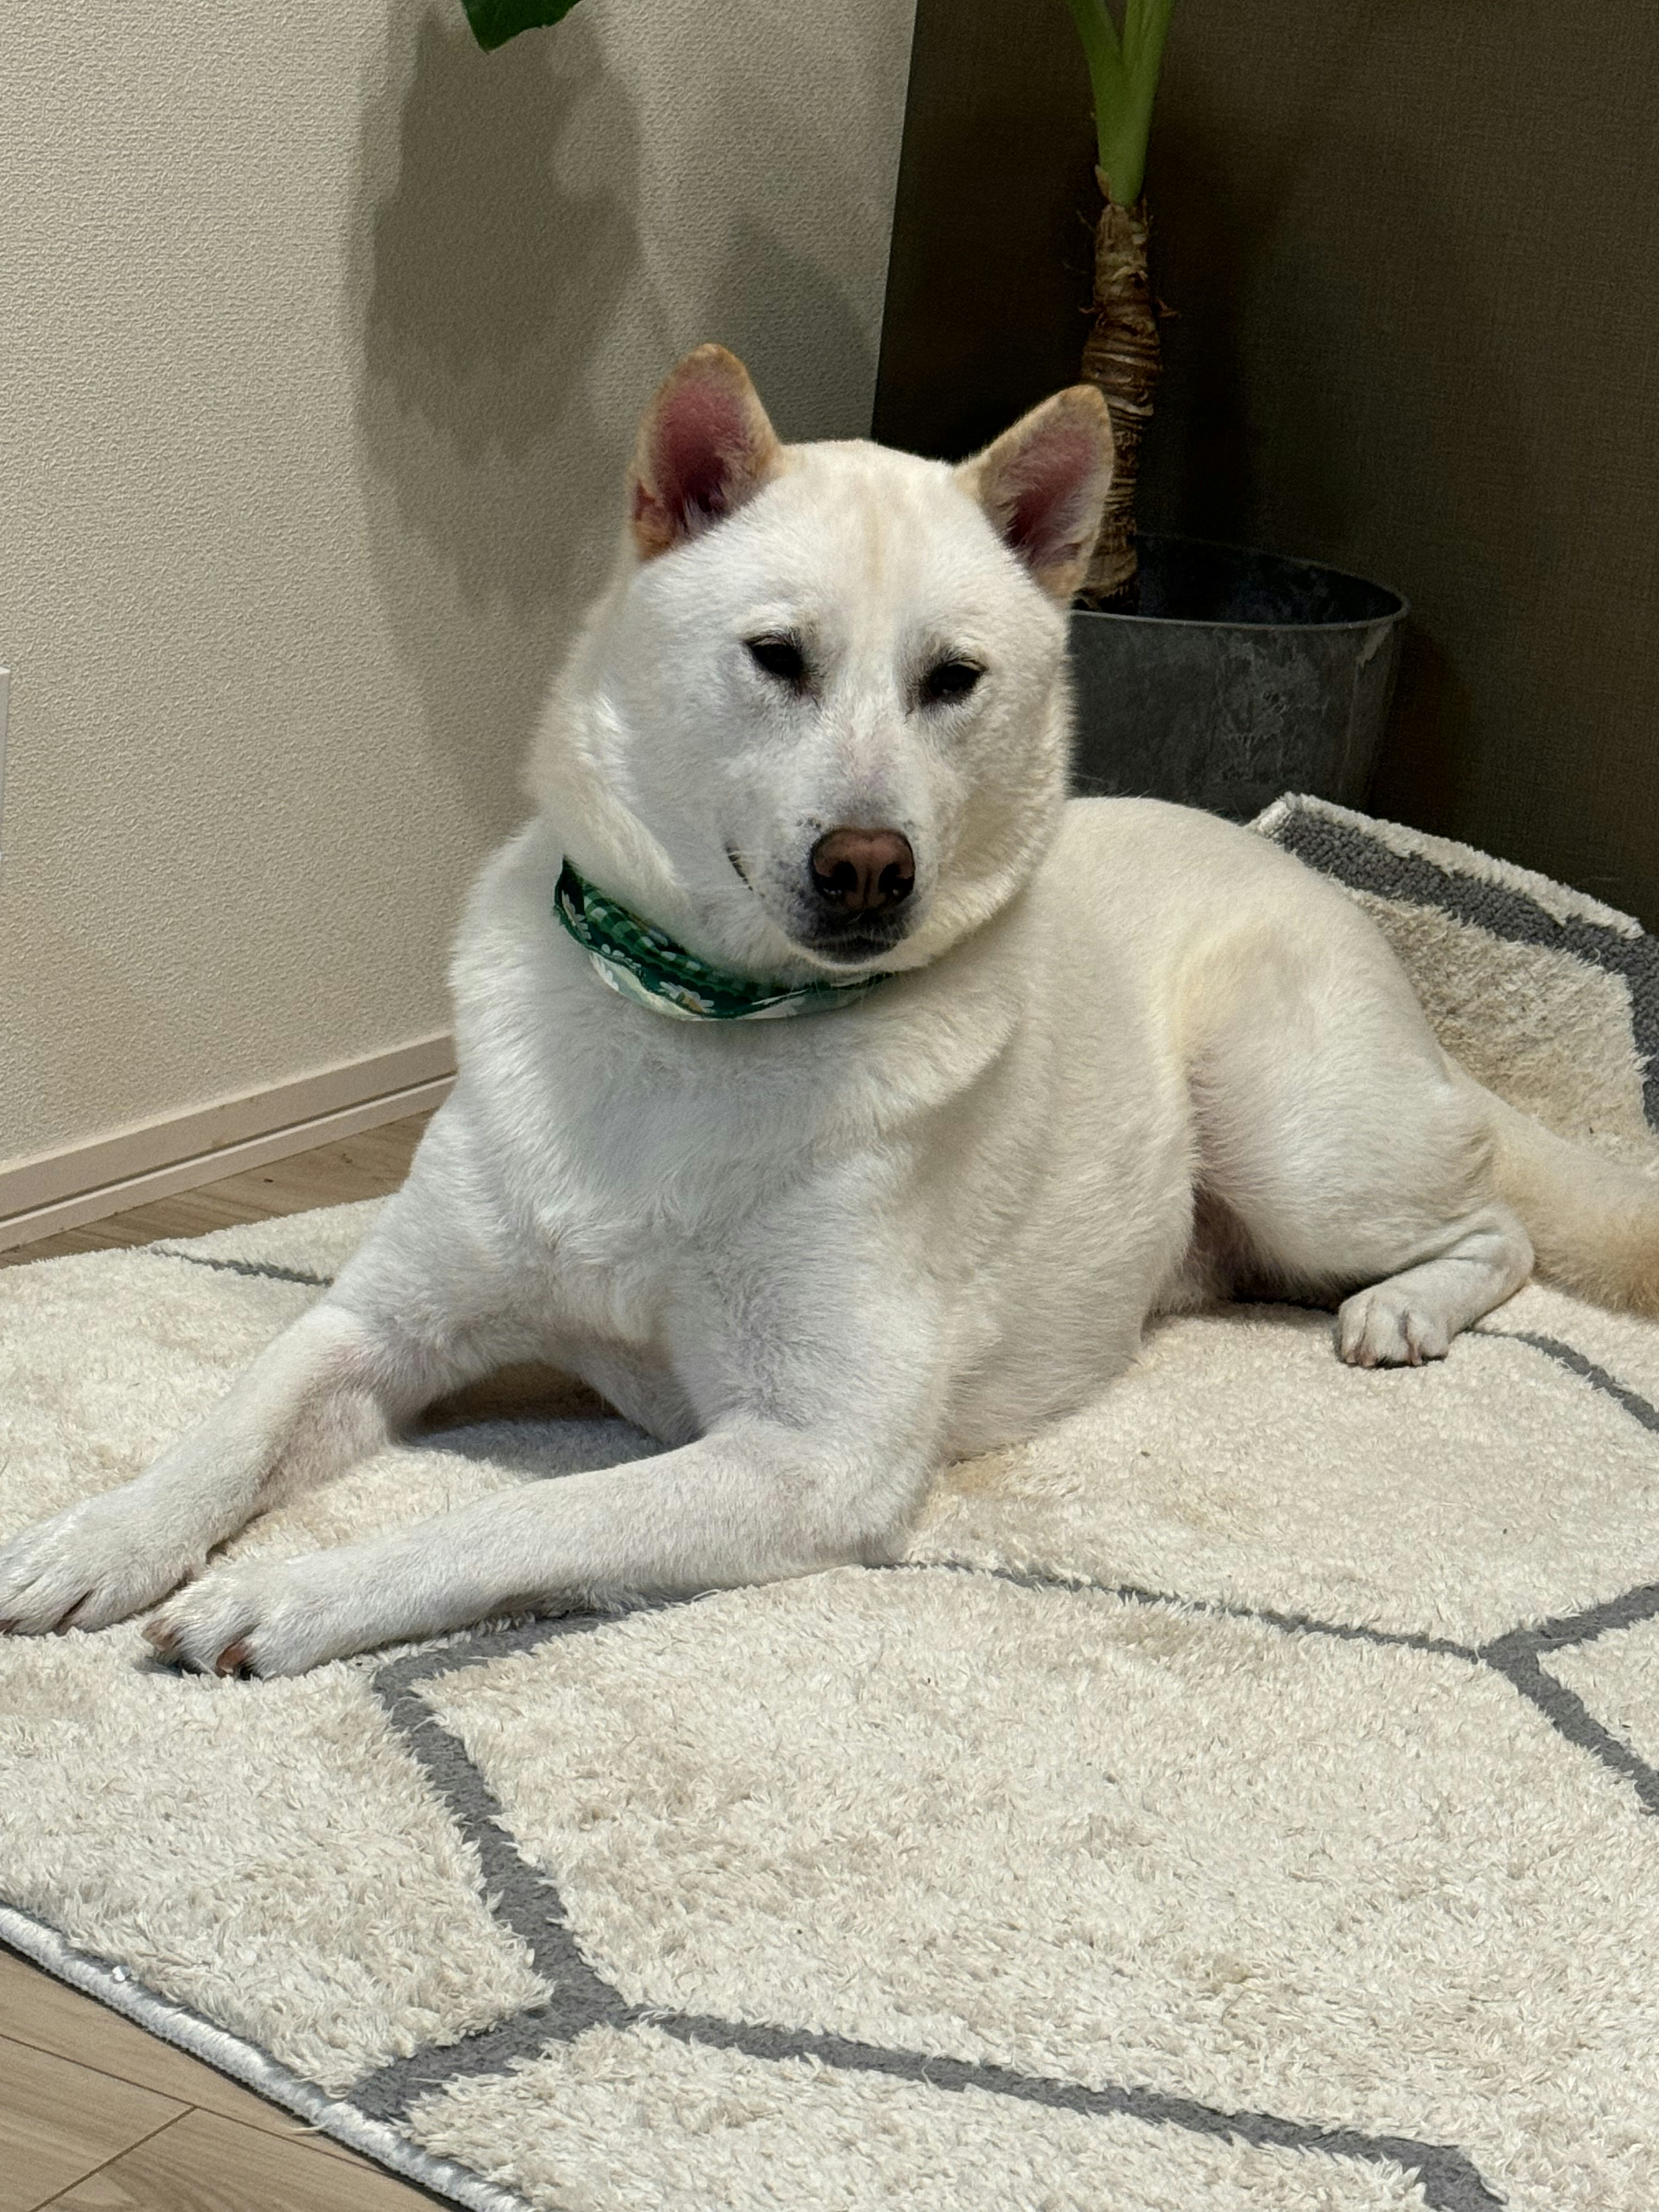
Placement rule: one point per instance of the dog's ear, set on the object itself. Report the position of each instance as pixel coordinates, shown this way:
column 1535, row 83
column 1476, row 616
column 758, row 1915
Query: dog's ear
column 1043, row 485
column 705, row 447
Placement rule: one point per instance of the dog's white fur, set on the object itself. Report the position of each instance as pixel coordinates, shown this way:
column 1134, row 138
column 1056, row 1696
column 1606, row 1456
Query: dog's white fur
column 1130, row 1058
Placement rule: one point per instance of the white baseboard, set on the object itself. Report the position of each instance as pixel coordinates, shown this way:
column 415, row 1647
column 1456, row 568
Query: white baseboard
column 83, row 1182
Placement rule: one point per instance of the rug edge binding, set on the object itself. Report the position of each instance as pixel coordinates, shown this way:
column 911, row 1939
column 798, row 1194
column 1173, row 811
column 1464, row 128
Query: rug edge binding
column 1456, row 857
column 245, row 2062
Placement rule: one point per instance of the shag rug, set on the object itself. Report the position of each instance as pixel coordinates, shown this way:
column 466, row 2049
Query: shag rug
column 1242, row 1798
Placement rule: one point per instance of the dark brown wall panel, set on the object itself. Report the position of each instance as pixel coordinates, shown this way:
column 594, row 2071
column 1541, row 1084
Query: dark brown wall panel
column 1411, row 248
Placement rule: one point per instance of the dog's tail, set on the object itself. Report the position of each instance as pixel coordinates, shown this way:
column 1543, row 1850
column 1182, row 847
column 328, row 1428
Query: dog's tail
column 1594, row 1222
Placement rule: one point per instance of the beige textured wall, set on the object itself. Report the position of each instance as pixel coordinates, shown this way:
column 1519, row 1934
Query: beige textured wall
column 321, row 339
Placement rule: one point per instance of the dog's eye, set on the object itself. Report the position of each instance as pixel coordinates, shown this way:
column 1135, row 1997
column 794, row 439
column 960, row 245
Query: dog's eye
column 949, row 679
column 780, row 657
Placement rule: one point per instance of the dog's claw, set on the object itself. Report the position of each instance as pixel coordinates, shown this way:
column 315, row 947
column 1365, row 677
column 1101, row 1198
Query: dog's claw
column 232, row 1660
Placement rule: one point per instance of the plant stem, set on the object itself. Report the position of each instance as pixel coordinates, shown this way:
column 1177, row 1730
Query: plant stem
column 1122, row 358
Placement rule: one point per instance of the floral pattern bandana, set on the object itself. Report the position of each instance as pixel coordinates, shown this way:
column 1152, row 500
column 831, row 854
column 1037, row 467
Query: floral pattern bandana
column 645, row 965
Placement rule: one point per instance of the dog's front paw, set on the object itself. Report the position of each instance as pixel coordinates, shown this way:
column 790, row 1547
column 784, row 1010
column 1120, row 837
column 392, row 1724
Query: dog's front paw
column 264, row 1617
column 94, row 1564
column 1390, row 1325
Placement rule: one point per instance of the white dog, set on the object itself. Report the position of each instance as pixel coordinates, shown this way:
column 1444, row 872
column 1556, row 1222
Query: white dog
column 1054, row 1068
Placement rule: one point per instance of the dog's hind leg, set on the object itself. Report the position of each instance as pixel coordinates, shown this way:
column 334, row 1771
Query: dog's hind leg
column 1354, row 1157
column 1413, row 1316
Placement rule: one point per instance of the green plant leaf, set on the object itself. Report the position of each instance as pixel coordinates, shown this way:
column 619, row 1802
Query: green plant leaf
column 495, row 22
column 1123, row 71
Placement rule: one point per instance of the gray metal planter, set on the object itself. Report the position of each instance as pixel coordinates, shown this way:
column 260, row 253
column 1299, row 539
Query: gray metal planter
column 1243, row 675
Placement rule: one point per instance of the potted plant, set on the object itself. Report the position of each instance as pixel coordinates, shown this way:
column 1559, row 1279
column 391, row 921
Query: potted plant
column 1204, row 673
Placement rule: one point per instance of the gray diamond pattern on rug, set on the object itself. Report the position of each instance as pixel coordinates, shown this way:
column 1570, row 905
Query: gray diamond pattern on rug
column 1243, row 1796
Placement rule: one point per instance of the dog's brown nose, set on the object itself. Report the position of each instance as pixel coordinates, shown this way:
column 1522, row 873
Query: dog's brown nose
column 861, row 871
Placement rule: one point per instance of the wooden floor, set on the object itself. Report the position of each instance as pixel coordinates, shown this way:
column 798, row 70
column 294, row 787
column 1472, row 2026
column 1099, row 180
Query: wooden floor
column 358, row 1167
column 94, row 2113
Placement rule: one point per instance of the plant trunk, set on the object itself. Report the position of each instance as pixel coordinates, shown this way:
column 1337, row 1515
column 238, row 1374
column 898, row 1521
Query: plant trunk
column 1121, row 357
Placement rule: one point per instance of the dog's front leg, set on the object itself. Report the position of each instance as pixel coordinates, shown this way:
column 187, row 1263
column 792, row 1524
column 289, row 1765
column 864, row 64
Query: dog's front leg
column 320, row 1397
column 814, row 1355
column 751, row 1502
column 394, row 1332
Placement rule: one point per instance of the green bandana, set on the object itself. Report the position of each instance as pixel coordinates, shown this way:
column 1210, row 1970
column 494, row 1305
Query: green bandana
column 649, row 967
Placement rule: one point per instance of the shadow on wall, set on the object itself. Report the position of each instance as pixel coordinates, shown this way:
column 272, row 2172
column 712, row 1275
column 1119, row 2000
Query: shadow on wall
column 791, row 323
column 495, row 231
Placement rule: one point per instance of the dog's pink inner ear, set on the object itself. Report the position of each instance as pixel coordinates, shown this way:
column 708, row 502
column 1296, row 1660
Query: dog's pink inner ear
column 1046, row 508
column 705, row 447
column 1043, row 486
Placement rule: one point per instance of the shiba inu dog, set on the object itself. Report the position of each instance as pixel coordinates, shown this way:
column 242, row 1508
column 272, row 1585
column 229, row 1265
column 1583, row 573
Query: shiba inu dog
column 835, row 1097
